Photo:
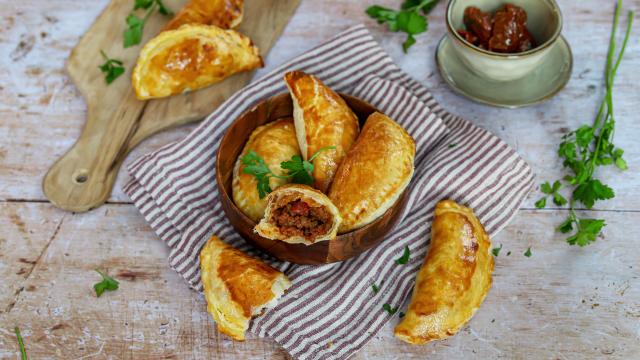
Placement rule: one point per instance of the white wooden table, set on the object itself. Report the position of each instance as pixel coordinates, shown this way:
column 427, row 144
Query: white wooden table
column 564, row 302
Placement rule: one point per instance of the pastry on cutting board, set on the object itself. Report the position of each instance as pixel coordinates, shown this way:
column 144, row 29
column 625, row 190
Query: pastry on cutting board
column 190, row 58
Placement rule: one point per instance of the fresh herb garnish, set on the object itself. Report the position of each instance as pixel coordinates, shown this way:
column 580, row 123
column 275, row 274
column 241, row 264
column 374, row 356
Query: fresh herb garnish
column 107, row 283
column 585, row 149
column 528, row 252
column 376, row 288
column 405, row 256
column 298, row 170
column 389, row 309
column 452, row 145
column 552, row 190
column 112, row 68
column 23, row 352
column 135, row 25
column 401, row 315
column 408, row 19
column 496, row 251
column 508, row 253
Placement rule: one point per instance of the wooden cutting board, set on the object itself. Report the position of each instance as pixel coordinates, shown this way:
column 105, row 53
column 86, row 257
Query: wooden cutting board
column 82, row 179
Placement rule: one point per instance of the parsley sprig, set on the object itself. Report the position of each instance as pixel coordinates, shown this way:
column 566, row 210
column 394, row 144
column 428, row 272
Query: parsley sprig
column 298, row 170
column 135, row 25
column 587, row 148
column 112, row 68
column 408, row 19
column 107, row 283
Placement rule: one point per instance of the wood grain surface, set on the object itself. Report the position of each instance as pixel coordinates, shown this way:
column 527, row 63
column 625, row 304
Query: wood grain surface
column 116, row 120
column 562, row 303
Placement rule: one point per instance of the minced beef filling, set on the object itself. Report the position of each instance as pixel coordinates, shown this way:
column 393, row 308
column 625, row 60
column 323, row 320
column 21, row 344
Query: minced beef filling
column 297, row 218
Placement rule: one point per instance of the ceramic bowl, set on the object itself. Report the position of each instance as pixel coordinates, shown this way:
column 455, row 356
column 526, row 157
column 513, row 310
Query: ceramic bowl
column 544, row 21
column 344, row 246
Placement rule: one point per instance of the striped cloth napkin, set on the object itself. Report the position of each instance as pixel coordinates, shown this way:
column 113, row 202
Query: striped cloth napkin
column 330, row 311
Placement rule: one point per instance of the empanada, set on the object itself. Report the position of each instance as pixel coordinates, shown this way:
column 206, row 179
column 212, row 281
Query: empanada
column 190, row 58
column 454, row 279
column 322, row 119
column 299, row 214
column 374, row 173
column 226, row 14
column 237, row 286
column 274, row 142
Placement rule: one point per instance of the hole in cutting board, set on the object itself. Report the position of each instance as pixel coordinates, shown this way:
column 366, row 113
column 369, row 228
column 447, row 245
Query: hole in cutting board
column 81, row 176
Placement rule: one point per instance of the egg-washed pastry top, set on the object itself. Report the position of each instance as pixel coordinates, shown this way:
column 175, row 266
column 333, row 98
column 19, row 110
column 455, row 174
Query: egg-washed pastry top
column 190, row 58
column 323, row 119
column 454, row 279
column 374, row 173
column 274, row 142
column 226, row 14
column 237, row 286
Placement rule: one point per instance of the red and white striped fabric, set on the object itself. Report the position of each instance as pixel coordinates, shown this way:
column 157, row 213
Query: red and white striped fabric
column 331, row 311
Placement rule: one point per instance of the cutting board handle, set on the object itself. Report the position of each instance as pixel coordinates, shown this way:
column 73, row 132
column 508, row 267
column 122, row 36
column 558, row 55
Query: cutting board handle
column 82, row 179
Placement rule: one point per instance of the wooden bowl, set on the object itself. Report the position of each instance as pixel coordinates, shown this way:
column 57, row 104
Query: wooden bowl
column 344, row 246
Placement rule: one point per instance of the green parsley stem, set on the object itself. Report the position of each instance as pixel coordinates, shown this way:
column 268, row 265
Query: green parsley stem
column 23, row 352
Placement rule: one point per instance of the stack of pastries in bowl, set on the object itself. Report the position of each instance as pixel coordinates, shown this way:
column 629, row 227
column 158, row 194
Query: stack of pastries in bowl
column 320, row 175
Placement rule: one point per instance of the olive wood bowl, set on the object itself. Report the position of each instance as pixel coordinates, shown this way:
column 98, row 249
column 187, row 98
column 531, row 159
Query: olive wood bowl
column 341, row 248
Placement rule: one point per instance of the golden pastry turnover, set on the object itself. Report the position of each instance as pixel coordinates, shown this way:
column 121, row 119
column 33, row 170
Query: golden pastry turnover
column 454, row 279
column 322, row 119
column 237, row 287
column 299, row 214
column 374, row 173
column 226, row 14
column 274, row 142
column 190, row 58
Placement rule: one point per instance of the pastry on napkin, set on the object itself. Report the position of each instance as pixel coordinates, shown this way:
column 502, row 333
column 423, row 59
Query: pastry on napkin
column 175, row 190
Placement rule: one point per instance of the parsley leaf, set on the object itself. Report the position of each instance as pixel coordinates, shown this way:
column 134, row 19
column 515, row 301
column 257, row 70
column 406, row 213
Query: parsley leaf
column 401, row 315
column 408, row 19
column 540, row 204
column 255, row 165
column 528, row 252
column 405, row 256
column 389, row 309
column 588, row 230
column 135, row 25
column 590, row 191
column 298, row 170
column 376, row 288
column 112, row 68
column 23, row 352
column 107, row 283
column 133, row 34
column 496, row 251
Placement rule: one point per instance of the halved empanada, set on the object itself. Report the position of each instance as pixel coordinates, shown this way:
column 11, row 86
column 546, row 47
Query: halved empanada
column 226, row 14
column 237, row 286
column 322, row 119
column 190, row 58
column 454, row 279
column 374, row 173
column 299, row 214
column 274, row 142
